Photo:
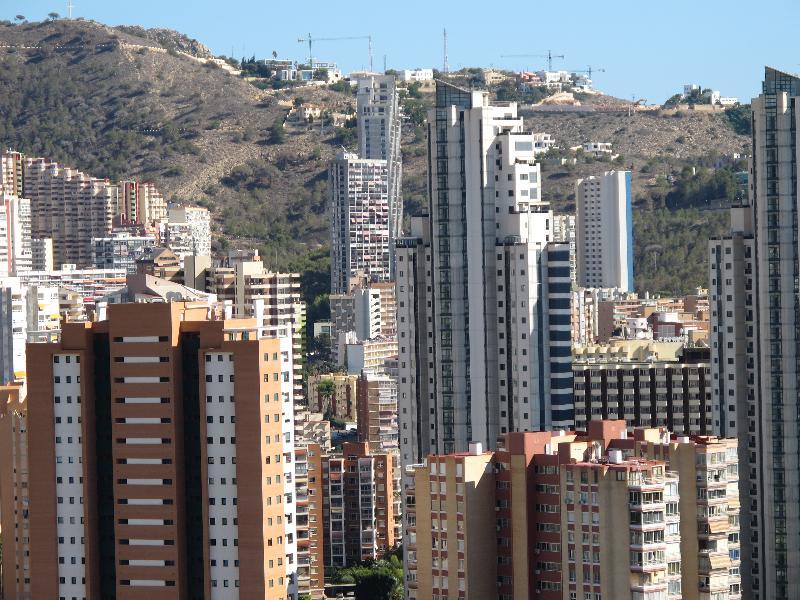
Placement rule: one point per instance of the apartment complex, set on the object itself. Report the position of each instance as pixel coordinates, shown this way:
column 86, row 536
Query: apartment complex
column 42, row 258
column 368, row 355
column 755, row 341
column 309, row 519
column 483, row 295
column 69, row 207
column 379, row 133
column 160, row 262
column 15, row 484
column 141, row 203
column 13, row 329
column 187, row 231
column 369, row 309
column 614, row 310
column 360, row 494
column 89, row 284
column 120, row 250
column 360, row 220
column 347, row 509
column 274, row 300
column 15, row 235
column 602, row 514
column 644, row 382
column 376, row 400
column 28, row 313
column 164, row 455
column 604, row 231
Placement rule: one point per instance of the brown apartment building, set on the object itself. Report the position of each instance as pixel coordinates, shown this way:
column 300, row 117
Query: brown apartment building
column 163, row 449
column 606, row 514
column 361, row 504
column 348, row 509
column 376, row 400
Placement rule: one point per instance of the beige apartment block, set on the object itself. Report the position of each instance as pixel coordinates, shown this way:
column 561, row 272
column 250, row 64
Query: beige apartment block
column 609, row 513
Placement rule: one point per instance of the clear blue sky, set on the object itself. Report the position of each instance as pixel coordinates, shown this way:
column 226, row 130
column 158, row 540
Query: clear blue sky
column 649, row 49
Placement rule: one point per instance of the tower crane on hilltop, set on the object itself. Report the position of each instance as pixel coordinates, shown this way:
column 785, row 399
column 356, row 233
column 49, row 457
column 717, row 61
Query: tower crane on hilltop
column 549, row 56
column 311, row 40
column 588, row 70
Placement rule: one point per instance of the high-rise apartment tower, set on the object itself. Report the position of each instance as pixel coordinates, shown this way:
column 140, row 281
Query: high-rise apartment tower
column 483, row 295
column 755, row 344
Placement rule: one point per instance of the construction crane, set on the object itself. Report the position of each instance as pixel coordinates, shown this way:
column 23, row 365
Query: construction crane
column 549, row 56
column 588, row 70
column 310, row 40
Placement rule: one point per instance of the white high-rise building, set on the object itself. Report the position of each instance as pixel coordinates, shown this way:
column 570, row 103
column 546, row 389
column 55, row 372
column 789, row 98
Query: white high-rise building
column 15, row 234
column 755, row 345
column 360, row 220
column 187, row 231
column 483, row 295
column 379, row 133
column 604, row 226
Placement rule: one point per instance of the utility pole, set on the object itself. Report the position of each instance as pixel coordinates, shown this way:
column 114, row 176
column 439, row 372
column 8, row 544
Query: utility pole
column 446, row 68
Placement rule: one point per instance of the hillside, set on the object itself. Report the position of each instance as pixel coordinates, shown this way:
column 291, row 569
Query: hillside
column 117, row 103
column 130, row 102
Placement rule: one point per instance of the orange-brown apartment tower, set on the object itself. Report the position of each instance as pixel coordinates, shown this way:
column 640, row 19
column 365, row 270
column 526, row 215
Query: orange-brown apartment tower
column 161, row 448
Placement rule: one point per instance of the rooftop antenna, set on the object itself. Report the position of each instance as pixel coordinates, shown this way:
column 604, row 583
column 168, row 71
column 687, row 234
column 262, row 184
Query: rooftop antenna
column 446, row 68
column 70, row 6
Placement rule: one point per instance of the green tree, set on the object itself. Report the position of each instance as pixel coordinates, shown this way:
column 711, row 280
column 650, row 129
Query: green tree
column 673, row 101
column 739, row 118
column 326, row 389
column 380, row 585
column 53, row 16
column 414, row 90
column 345, row 136
column 277, row 135
column 415, row 110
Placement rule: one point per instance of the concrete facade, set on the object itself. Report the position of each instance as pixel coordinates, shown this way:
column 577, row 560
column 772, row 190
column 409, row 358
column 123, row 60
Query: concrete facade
column 483, row 295
column 360, row 220
column 164, row 453
column 604, row 231
column 564, row 515
column 755, row 337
